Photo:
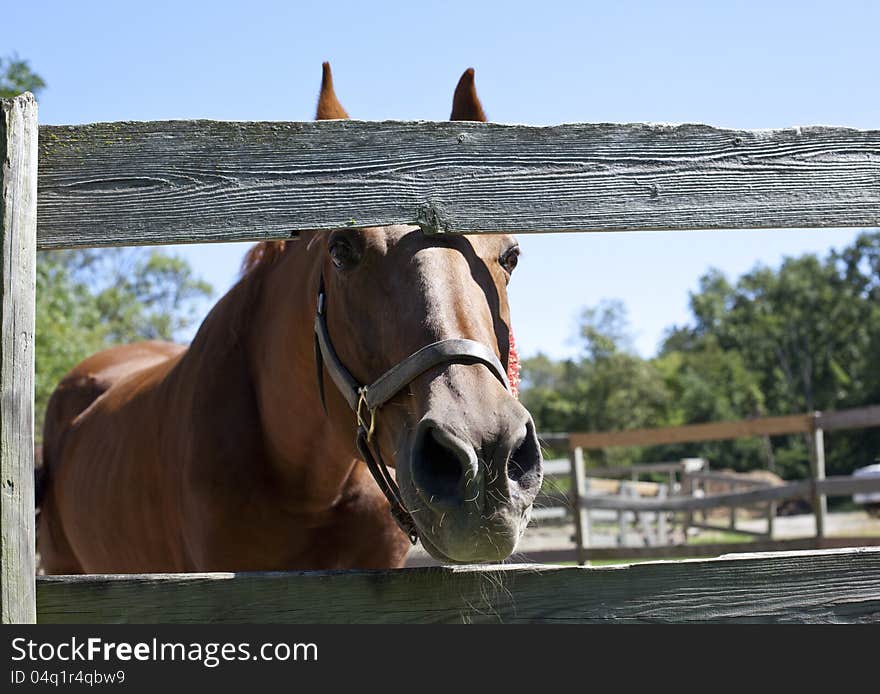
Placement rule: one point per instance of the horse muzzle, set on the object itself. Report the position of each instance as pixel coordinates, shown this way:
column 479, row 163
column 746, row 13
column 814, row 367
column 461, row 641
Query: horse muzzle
column 470, row 487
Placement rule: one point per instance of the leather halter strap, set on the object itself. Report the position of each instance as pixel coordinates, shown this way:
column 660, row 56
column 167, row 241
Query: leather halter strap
column 371, row 397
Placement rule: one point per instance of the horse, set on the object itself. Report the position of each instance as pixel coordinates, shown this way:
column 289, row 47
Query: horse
column 266, row 443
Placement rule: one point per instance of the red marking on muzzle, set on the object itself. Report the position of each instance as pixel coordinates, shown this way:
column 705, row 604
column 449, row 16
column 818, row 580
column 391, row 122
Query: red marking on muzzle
column 513, row 367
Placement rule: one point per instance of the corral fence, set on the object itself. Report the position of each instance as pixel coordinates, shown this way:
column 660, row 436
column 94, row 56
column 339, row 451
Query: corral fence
column 166, row 182
column 684, row 495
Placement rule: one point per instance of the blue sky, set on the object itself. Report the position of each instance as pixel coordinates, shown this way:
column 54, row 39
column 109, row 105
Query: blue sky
column 736, row 64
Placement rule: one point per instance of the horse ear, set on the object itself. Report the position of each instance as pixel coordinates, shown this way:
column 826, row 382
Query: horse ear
column 466, row 104
column 328, row 105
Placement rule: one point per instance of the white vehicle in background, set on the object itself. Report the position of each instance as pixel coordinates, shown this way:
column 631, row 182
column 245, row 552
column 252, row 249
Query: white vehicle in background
column 871, row 500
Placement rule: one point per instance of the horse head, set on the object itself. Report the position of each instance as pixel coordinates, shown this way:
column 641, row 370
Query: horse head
column 467, row 458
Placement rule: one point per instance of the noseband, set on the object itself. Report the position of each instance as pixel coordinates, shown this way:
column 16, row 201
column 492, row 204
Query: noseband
column 365, row 400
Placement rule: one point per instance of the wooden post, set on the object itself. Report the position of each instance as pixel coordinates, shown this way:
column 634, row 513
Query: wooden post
column 644, row 521
column 733, row 487
column 771, row 519
column 624, row 492
column 18, row 234
column 581, row 514
column 662, row 539
column 687, row 489
column 817, row 473
column 587, row 519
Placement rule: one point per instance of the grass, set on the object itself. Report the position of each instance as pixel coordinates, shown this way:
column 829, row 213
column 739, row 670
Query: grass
column 712, row 537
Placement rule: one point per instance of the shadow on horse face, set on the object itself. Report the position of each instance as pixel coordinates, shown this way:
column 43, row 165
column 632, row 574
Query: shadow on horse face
column 465, row 450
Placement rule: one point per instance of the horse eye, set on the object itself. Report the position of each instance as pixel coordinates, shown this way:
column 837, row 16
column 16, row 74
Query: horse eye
column 342, row 254
column 509, row 259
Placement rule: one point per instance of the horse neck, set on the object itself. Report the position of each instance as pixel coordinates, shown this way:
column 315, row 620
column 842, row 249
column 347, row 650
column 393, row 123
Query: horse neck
column 312, row 457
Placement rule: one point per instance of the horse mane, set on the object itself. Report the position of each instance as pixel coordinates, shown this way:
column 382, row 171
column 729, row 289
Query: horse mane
column 261, row 255
column 227, row 322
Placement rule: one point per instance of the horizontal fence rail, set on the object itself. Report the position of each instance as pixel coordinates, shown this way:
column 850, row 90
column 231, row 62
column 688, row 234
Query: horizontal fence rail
column 688, row 433
column 830, row 486
column 856, row 418
column 830, row 586
column 195, row 181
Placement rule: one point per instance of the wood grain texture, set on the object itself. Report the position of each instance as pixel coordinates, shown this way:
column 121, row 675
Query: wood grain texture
column 825, row 586
column 712, row 431
column 196, row 181
column 18, row 232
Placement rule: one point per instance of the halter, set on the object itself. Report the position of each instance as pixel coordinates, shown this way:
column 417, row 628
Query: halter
column 365, row 400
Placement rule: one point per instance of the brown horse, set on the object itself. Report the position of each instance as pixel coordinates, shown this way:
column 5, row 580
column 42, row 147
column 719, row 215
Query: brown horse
column 222, row 456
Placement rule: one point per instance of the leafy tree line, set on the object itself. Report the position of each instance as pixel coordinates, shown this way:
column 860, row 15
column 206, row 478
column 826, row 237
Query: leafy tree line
column 800, row 338
column 90, row 299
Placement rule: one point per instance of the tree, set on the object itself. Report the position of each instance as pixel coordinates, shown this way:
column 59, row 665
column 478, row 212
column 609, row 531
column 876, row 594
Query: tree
column 608, row 387
column 16, row 77
column 809, row 335
column 91, row 299
column 802, row 337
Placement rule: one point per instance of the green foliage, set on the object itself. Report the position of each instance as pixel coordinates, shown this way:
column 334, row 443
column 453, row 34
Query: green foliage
column 609, row 387
column 16, row 77
column 801, row 338
column 91, row 299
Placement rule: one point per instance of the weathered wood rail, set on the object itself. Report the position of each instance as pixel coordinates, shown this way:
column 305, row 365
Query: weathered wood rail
column 858, row 418
column 195, row 181
column 830, row 586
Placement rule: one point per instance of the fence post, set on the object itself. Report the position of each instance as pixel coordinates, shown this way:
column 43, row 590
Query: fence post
column 771, row 519
column 18, row 235
column 662, row 539
column 687, row 489
column 733, row 488
column 643, row 519
column 624, row 492
column 817, row 473
column 578, row 494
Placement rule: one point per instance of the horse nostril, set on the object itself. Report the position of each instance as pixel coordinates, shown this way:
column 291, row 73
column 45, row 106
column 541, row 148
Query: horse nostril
column 440, row 465
column 524, row 465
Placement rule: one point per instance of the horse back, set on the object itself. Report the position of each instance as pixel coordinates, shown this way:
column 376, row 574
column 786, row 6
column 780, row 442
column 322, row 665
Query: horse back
column 74, row 395
column 90, row 379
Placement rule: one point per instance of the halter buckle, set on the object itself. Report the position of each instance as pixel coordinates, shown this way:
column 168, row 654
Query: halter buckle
column 362, row 403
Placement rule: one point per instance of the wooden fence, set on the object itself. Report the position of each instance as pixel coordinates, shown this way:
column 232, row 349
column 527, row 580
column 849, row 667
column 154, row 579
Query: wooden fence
column 816, row 489
column 829, row 586
column 183, row 182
